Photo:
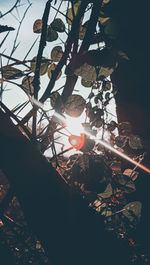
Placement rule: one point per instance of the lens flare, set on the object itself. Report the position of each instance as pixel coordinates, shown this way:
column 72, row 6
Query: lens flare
column 75, row 124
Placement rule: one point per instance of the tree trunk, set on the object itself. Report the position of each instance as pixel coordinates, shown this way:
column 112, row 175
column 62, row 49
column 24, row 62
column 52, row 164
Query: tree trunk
column 69, row 231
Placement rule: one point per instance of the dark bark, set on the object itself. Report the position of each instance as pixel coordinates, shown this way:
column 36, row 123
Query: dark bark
column 132, row 80
column 70, row 232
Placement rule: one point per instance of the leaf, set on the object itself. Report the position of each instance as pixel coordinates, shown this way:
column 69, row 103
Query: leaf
column 125, row 128
column 43, row 68
column 9, row 72
column 52, row 68
column 75, row 105
column 52, row 35
column 27, row 84
column 58, row 25
column 37, row 26
column 70, row 14
column 82, row 32
column 86, row 83
column 5, row 28
column 131, row 173
column 56, row 53
column 110, row 29
column 107, row 193
column 105, row 72
column 121, row 141
column 87, row 72
column 53, row 98
column 112, row 126
column 124, row 182
column 106, row 85
column 133, row 210
column 135, row 142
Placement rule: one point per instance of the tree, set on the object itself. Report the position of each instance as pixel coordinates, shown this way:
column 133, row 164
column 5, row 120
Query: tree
column 94, row 66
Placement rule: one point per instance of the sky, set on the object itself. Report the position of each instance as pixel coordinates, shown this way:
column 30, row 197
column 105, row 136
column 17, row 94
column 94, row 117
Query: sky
column 13, row 95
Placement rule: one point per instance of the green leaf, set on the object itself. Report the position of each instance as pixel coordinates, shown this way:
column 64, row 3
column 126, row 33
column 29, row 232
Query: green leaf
column 58, row 25
column 86, row 83
column 27, row 84
column 56, row 53
column 52, row 68
column 107, row 193
column 37, row 26
column 135, row 142
column 133, row 210
column 10, row 72
column 110, row 29
column 52, row 35
column 70, row 13
column 75, row 105
column 44, row 65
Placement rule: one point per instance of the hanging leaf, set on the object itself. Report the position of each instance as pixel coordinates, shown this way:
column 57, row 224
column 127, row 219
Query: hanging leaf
column 124, row 182
column 87, row 72
column 86, row 83
column 107, row 193
column 52, row 68
column 103, row 19
column 52, row 35
column 37, row 26
column 75, row 105
column 121, row 141
column 56, row 53
column 116, row 167
column 112, row 126
column 10, row 72
column 131, row 173
column 132, row 211
column 27, row 84
column 58, row 25
column 105, row 72
column 69, row 15
column 110, row 29
column 125, row 128
column 53, row 98
column 82, row 32
column 44, row 65
column 135, row 142
column 92, row 171
column 106, row 85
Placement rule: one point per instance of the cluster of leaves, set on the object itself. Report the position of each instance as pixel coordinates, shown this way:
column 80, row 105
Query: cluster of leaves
column 95, row 172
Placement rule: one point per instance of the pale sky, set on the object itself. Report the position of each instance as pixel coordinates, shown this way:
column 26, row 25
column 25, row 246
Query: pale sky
column 13, row 95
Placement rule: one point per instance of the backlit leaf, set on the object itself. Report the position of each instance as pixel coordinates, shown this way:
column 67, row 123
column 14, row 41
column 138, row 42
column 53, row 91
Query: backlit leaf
column 37, row 26
column 52, row 35
column 56, row 53
column 10, row 72
column 44, row 65
column 75, row 105
column 52, row 68
column 58, row 25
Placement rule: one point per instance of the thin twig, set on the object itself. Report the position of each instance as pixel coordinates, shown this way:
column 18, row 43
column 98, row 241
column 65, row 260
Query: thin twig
column 11, row 9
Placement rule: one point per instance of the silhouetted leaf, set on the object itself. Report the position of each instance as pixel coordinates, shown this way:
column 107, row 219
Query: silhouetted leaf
column 52, row 35
column 56, row 53
column 37, row 26
column 75, row 105
column 135, row 142
column 52, row 68
column 27, row 84
column 44, row 65
column 133, row 210
column 58, row 25
column 10, row 72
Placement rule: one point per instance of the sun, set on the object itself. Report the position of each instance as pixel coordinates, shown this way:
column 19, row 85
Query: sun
column 74, row 125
